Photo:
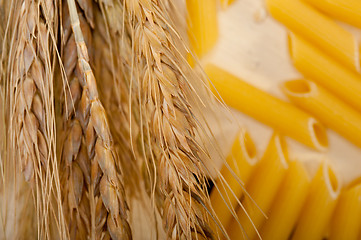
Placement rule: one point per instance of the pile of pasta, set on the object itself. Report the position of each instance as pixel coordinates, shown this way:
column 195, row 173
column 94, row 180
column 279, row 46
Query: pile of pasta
column 274, row 197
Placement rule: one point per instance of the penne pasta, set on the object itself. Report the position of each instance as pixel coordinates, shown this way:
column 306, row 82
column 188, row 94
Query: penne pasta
column 315, row 65
column 330, row 110
column 226, row 3
column 348, row 11
column 202, row 25
column 287, row 205
column 241, row 161
column 317, row 28
column 262, row 188
column 346, row 220
column 320, row 203
column 282, row 116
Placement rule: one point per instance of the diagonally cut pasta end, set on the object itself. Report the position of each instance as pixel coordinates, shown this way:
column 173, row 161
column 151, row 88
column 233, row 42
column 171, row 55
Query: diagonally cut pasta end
column 282, row 150
column 298, row 88
column 248, row 147
column 290, row 38
column 331, row 181
column 318, row 134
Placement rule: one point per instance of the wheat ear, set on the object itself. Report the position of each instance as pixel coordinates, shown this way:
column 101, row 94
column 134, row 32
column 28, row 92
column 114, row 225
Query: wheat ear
column 112, row 72
column 89, row 143
column 175, row 159
column 17, row 207
column 31, row 121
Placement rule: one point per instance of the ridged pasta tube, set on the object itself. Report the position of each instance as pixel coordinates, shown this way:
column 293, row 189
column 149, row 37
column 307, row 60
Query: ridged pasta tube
column 348, row 11
column 317, row 28
column 318, row 208
column 241, row 162
column 282, row 116
column 346, row 220
column 288, row 203
column 316, row 65
column 202, row 25
column 330, row 110
column 262, row 188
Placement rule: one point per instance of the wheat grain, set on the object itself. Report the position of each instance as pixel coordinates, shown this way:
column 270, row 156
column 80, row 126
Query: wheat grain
column 95, row 197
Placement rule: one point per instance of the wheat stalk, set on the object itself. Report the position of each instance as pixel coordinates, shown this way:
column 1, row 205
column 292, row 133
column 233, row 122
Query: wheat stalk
column 94, row 191
column 160, row 88
column 112, row 67
column 113, row 73
column 30, row 109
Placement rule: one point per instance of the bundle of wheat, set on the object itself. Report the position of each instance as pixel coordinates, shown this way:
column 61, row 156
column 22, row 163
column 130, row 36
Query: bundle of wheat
column 71, row 158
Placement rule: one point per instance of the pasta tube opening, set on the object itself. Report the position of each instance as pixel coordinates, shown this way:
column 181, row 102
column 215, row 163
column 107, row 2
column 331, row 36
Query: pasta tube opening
column 243, row 156
column 249, row 148
column 302, row 88
column 316, row 65
column 282, row 150
column 327, row 108
column 346, row 219
column 225, row 197
column 320, row 204
column 280, row 115
column 298, row 86
column 262, row 188
column 332, row 182
column 287, row 204
column 318, row 134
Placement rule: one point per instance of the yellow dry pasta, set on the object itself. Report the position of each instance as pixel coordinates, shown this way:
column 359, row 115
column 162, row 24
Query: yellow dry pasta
column 287, row 205
column 346, row 220
column 226, row 3
column 330, row 110
column 241, row 162
column 317, row 28
column 262, row 188
column 315, row 65
column 320, row 203
column 282, row 116
column 202, row 25
column 348, row 11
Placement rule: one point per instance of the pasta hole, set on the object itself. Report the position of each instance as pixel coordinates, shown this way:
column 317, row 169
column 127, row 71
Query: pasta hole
column 282, row 149
column 249, row 145
column 320, row 134
column 333, row 179
column 298, row 86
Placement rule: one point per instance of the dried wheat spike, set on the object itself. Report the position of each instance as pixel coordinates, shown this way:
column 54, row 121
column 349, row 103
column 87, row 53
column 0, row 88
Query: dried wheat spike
column 94, row 195
column 111, row 73
column 31, row 110
column 169, row 128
